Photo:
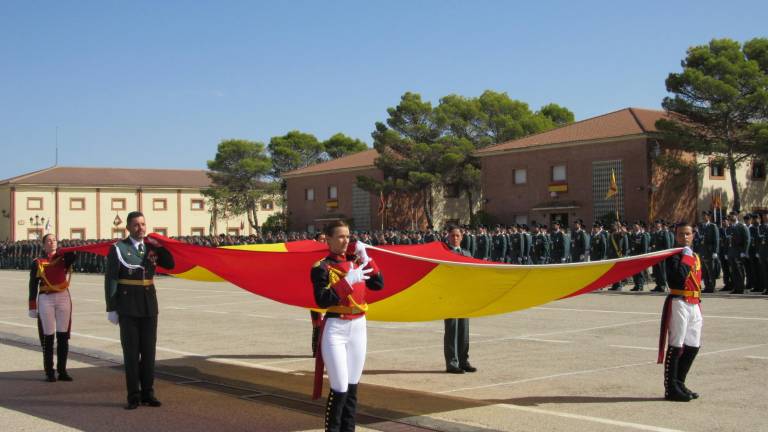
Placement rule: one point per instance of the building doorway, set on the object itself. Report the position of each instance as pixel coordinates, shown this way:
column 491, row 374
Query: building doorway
column 562, row 218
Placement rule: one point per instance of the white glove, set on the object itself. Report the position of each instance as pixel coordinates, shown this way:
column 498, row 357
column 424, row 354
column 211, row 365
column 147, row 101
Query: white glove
column 714, row 256
column 356, row 275
column 113, row 317
column 562, row 260
column 757, row 255
column 360, row 253
column 581, row 257
column 743, row 255
column 32, row 313
column 687, row 251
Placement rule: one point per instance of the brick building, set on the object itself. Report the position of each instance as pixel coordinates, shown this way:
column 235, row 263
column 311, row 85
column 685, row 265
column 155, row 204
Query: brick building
column 328, row 191
column 564, row 174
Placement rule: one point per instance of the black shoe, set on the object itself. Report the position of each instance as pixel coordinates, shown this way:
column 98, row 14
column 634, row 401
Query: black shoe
column 64, row 376
column 150, row 401
column 658, row 289
column 50, row 377
column 737, row 292
column 131, row 405
column 637, row 288
column 710, row 290
column 454, row 370
column 468, row 368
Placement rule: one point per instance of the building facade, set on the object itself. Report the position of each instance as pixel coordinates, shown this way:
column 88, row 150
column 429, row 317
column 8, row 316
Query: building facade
column 564, row 174
column 92, row 203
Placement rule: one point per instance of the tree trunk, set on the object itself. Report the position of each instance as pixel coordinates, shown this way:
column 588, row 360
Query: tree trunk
column 428, row 206
column 734, row 182
column 212, row 225
column 469, row 202
column 253, row 219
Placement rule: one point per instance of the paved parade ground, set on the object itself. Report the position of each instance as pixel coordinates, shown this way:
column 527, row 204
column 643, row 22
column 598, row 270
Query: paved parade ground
column 229, row 361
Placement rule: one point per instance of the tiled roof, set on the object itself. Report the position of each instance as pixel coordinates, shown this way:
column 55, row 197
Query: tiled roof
column 625, row 122
column 132, row 177
column 360, row 160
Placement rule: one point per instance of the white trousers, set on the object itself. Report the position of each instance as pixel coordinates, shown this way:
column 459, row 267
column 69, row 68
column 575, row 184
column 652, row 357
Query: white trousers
column 685, row 324
column 55, row 311
column 343, row 348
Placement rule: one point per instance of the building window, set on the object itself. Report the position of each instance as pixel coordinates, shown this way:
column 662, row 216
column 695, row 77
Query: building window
column 77, row 234
column 118, row 204
column 309, row 194
column 197, row 231
column 758, row 170
column 35, row 203
column 558, row 173
column 118, row 233
column 233, row 231
column 520, row 176
column 267, row 205
column 716, row 169
column 333, row 193
column 451, row 191
column 77, row 203
column 162, row 231
column 197, row 204
column 311, row 229
column 159, row 204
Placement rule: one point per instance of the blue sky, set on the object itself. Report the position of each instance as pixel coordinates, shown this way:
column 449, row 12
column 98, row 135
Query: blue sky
column 158, row 84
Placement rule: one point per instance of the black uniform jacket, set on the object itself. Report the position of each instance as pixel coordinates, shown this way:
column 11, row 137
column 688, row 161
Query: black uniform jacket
column 133, row 299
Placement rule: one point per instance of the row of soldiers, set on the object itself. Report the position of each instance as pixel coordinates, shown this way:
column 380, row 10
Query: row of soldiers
column 737, row 249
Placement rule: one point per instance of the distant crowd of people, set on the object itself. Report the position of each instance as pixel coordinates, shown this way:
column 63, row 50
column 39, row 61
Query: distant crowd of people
column 735, row 249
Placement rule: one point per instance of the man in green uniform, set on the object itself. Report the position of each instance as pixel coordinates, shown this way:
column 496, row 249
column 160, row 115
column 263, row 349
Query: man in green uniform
column 132, row 302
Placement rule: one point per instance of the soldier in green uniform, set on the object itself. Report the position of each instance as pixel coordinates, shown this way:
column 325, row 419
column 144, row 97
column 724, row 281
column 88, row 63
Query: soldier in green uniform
column 710, row 246
column 579, row 242
column 598, row 245
column 659, row 242
column 539, row 245
column 639, row 246
column 132, row 302
column 499, row 244
column 762, row 250
column 560, row 249
column 617, row 247
column 738, row 249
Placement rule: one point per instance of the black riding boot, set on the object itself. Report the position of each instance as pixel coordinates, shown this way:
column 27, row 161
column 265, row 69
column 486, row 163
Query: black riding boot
column 50, row 376
column 315, row 339
column 672, row 390
column 333, row 410
column 62, row 350
column 350, row 408
column 686, row 360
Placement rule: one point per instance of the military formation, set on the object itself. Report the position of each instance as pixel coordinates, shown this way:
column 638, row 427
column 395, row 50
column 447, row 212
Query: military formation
column 734, row 249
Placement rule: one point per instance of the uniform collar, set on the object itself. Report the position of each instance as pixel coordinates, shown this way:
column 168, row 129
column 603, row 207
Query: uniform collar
column 135, row 242
column 337, row 258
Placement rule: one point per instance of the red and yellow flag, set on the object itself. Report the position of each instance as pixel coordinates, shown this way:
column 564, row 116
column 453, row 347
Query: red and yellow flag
column 422, row 282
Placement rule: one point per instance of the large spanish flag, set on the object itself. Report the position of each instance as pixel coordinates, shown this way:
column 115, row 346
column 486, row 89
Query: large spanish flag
column 421, row 282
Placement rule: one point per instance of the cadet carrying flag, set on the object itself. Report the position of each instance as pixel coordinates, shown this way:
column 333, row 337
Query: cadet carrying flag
column 421, row 282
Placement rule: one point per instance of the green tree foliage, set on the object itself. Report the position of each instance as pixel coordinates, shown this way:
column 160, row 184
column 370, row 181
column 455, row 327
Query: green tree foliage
column 294, row 150
column 720, row 103
column 341, row 145
column 420, row 146
column 275, row 222
column 238, row 172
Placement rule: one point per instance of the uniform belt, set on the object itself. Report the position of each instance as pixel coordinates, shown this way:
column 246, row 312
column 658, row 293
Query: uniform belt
column 346, row 310
column 136, row 282
column 685, row 293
